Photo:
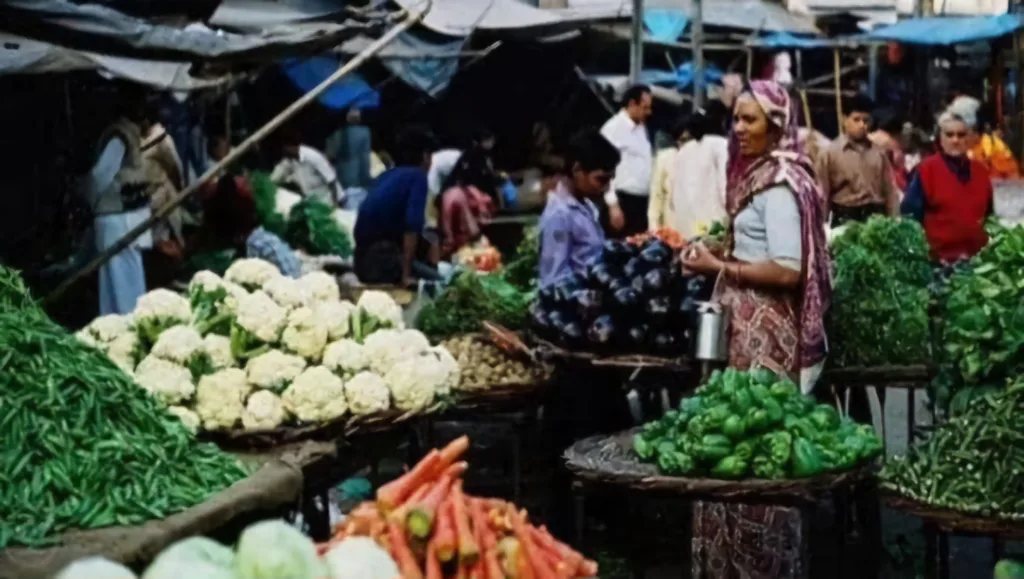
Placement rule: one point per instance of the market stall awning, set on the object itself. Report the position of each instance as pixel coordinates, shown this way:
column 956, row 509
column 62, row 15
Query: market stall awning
column 740, row 14
column 102, row 30
column 352, row 90
column 462, row 17
column 25, row 56
column 248, row 14
column 947, row 30
column 784, row 40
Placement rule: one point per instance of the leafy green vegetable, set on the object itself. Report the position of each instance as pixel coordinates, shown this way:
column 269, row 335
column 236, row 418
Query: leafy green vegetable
column 313, row 229
column 216, row 261
column 471, row 299
column 521, row 271
column 880, row 297
column 264, row 194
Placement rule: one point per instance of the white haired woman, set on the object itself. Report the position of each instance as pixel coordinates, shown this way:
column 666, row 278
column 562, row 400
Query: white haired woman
column 951, row 195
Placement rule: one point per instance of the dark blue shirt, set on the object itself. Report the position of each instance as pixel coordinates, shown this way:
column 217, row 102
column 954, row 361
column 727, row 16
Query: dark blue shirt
column 395, row 205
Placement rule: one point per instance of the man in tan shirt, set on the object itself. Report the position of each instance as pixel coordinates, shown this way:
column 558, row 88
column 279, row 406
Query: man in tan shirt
column 855, row 174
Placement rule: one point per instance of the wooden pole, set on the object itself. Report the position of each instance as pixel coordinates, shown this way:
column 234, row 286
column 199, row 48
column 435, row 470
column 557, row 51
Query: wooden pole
column 697, row 37
column 839, row 88
column 636, row 42
column 237, row 153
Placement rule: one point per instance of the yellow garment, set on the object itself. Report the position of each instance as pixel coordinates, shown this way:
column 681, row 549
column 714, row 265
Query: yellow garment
column 377, row 166
column 660, row 207
column 996, row 155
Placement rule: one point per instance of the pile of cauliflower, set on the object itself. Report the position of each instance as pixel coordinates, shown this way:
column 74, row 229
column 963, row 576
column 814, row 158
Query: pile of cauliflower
column 257, row 350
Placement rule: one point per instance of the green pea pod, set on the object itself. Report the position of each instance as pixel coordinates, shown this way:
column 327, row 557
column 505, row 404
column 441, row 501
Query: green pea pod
column 730, row 467
column 806, row 459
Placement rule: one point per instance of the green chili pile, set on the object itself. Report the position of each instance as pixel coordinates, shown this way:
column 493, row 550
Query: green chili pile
column 880, row 296
column 85, row 447
column 754, row 424
column 972, row 463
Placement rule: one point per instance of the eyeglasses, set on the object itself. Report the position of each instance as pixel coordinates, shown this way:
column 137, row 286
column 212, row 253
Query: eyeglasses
column 957, row 134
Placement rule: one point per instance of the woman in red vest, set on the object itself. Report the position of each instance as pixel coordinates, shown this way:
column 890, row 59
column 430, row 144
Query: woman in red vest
column 951, row 195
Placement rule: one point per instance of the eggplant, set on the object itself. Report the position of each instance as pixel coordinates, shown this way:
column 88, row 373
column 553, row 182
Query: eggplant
column 617, row 284
column 658, row 310
column 616, row 252
column 686, row 309
column 636, row 337
column 601, row 331
column 587, row 304
column 664, row 343
column 626, row 298
column 546, row 297
column 700, row 288
column 657, row 280
column 571, row 334
column 601, row 275
column 638, row 285
column 634, row 267
column 564, row 291
column 557, row 320
column 656, row 253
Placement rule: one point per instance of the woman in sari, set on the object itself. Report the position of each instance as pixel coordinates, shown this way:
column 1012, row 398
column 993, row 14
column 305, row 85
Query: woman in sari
column 774, row 278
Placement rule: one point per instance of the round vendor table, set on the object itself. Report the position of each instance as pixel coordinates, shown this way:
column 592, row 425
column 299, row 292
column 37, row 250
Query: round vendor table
column 940, row 523
column 609, row 461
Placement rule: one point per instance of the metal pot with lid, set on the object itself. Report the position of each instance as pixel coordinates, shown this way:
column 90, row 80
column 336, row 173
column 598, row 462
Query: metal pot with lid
column 712, row 339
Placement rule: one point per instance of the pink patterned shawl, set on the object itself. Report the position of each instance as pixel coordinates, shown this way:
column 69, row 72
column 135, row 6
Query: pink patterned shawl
column 787, row 164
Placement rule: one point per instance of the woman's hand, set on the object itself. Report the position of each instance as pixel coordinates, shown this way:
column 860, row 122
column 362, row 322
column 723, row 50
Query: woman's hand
column 699, row 259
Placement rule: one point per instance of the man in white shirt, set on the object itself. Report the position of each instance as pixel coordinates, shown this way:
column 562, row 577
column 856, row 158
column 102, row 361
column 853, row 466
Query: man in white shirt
column 627, row 197
column 309, row 171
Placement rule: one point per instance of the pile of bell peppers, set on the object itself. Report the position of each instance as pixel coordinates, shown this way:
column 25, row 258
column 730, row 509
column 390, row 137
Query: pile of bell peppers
column 754, row 424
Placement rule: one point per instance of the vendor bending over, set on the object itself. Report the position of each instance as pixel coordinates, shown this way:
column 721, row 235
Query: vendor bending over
column 570, row 232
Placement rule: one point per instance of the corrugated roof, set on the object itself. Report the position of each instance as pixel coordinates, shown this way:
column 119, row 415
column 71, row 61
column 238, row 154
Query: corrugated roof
column 741, row 14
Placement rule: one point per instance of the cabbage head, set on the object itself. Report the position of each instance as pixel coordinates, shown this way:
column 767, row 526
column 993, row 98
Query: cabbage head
column 276, row 550
column 95, row 568
column 195, row 558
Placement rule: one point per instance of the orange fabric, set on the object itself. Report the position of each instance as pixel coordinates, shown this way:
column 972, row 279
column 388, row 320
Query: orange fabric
column 992, row 152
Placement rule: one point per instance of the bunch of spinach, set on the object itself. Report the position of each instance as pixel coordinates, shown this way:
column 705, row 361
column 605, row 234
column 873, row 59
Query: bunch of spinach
column 880, row 296
column 983, row 318
column 521, row 271
column 471, row 299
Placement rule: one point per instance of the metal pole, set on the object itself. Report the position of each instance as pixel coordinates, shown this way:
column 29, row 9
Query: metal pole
column 697, row 37
column 873, row 71
column 237, row 153
column 636, row 42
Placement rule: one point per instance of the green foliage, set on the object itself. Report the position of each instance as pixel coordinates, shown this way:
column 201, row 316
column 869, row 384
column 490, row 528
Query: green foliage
column 522, row 270
column 264, row 193
column 313, row 229
column 880, row 295
column 471, row 299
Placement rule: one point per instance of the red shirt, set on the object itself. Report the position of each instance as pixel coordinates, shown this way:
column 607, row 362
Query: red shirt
column 463, row 211
column 955, row 211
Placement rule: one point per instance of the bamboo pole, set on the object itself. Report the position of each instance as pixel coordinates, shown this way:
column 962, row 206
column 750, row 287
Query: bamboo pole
column 839, row 88
column 237, row 153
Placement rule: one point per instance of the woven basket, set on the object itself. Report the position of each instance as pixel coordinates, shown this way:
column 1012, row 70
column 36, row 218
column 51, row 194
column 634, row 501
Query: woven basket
column 959, row 523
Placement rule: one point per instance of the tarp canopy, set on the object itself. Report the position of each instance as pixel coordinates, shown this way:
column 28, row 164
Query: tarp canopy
column 462, row 17
column 740, row 14
column 249, row 14
column 787, row 40
column 25, row 56
column 947, row 30
column 351, row 90
column 102, row 30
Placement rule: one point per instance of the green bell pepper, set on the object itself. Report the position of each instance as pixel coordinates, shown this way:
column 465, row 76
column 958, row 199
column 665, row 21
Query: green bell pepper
column 715, row 417
column 696, row 427
column 690, row 406
column 824, row 417
column 799, row 427
column 759, row 393
column 778, row 446
column 730, row 467
column 643, row 448
column 734, row 428
column 798, row 406
column 764, row 467
column 713, row 448
column 675, row 463
column 762, row 376
column 744, row 450
column 806, row 460
column 742, row 400
column 774, row 410
column 784, row 390
column 757, row 420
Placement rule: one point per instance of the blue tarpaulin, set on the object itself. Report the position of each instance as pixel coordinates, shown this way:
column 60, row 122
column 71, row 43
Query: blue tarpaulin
column 787, row 40
column 946, row 30
column 665, row 25
column 351, row 90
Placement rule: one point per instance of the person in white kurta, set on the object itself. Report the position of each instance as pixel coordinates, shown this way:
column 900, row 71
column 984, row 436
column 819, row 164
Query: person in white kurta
column 698, row 184
column 115, row 189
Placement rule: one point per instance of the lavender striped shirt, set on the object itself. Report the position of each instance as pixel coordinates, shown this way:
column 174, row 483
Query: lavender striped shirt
column 570, row 236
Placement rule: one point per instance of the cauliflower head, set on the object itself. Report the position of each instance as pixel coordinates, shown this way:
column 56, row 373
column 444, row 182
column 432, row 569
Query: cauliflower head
column 261, row 316
column 414, row 382
column 168, row 382
column 188, row 418
column 346, row 358
column 320, row 286
column 263, row 411
column 305, row 334
column 251, row 273
column 274, row 370
column 214, row 302
column 388, row 347
column 376, row 310
column 316, row 395
column 220, row 398
column 158, row 310
column 125, row 351
column 218, row 348
column 178, row 344
column 453, row 374
column 367, row 393
column 106, row 329
column 87, row 338
column 337, row 316
column 287, row 293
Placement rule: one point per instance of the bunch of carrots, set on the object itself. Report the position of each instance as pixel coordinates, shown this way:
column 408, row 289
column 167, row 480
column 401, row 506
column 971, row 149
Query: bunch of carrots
column 434, row 530
column 669, row 236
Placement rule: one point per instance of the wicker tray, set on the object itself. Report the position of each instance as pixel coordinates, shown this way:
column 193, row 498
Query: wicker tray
column 545, row 350
column 502, row 396
column 610, row 460
column 956, row 522
column 909, row 376
column 343, row 427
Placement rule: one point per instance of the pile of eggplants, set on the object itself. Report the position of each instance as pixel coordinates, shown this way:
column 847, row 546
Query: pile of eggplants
column 632, row 300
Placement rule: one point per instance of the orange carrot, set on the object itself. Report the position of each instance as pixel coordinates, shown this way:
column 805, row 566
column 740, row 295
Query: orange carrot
column 420, row 520
column 397, row 491
column 401, row 513
column 444, row 532
column 402, row 554
column 560, row 550
column 469, row 551
column 481, row 525
column 432, row 564
column 529, row 551
column 491, row 564
column 454, row 450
